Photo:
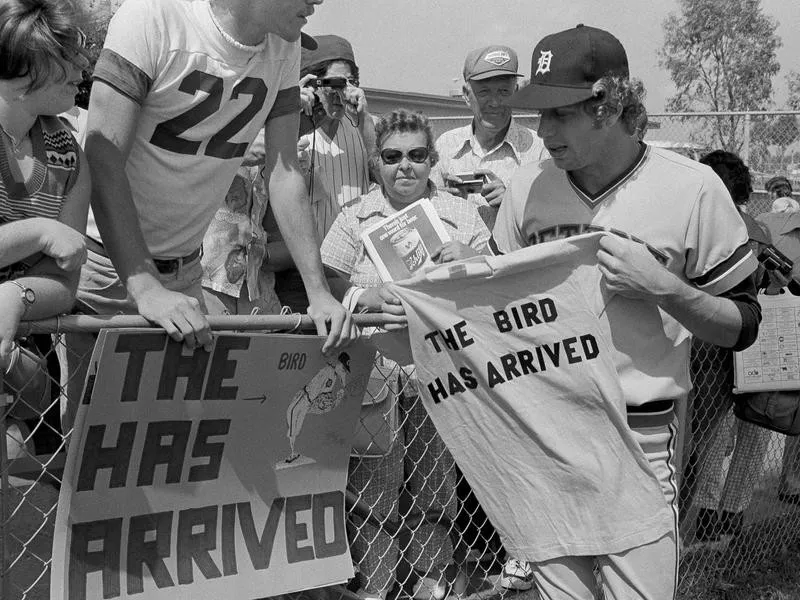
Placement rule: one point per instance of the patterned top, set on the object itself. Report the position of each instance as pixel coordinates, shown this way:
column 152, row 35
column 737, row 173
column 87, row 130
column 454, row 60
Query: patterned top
column 55, row 171
column 342, row 164
column 235, row 244
column 460, row 152
column 203, row 98
column 344, row 251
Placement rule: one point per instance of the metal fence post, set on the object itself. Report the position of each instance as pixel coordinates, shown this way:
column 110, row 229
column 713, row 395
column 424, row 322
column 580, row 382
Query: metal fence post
column 5, row 400
column 746, row 148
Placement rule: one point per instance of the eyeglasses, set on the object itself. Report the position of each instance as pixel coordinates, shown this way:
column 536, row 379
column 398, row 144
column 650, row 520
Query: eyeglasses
column 392, row 156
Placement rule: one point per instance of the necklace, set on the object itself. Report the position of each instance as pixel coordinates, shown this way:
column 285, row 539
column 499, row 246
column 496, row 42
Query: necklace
column 16, row 145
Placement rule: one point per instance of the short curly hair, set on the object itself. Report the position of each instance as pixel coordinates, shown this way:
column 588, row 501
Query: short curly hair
column 36, row 38
column 401, row 120
column 733, row 172
column 616, row 94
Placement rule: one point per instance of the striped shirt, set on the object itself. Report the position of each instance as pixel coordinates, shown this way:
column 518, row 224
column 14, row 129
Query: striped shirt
column 341, row 162
column 55, row 171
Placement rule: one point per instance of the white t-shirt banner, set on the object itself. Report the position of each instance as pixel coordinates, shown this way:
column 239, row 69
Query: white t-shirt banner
column 519, row 379
column 192, row 474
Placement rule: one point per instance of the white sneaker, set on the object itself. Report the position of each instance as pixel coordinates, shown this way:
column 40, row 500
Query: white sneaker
column 516, row 575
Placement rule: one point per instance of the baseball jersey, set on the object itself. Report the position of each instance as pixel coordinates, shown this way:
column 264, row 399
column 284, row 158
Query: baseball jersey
column 342, row 163
column 679, row 208
column 203, row 99
column 518, row 376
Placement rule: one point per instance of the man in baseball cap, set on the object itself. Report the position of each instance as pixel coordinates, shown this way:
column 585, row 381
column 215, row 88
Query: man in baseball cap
column 493, row 145
column 676, row 247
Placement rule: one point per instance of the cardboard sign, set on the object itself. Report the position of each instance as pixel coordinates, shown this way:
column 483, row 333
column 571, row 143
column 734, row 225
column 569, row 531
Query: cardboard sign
column 194, row 475
column 772, row 363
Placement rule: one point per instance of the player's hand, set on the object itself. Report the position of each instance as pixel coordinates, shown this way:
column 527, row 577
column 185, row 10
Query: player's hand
column 630, row 270
column 355, row 100
column 382, row 299
column 334, row 320
column 307, row 95
column 450, row 251
column 62, row 243
column 493, row 190
column 178, row 314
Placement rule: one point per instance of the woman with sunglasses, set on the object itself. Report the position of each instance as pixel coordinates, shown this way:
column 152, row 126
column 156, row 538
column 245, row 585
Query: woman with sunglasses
column 402, row 160
column 44, row 184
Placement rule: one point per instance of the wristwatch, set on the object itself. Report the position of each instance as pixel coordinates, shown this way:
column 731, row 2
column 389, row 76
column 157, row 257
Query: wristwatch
column 28, row 295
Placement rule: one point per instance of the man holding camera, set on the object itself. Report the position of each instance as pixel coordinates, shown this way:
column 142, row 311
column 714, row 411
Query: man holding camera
column 478, row 160
column 336, row 135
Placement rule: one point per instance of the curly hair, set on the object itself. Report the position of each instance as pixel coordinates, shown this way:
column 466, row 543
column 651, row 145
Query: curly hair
column 36, row 38
column 401, row 120
column 615, row 94
column 733, row 172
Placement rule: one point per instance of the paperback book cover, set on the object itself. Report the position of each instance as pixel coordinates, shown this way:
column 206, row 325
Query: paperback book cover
column 402, row 243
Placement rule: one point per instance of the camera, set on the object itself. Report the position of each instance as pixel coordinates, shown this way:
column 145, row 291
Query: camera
column 471, row 183
column 774, row 260
column 336, row 83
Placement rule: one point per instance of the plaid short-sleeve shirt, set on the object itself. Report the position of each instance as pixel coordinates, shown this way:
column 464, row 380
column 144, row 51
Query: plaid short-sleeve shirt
column 343, row 250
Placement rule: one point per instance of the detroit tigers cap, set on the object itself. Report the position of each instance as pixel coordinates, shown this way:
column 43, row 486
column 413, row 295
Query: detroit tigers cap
column 491, row 61
column 307, row 42
column 565, row 66
column 328, row 47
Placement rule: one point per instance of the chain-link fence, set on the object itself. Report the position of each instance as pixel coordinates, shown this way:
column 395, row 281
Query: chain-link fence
column 415, row 529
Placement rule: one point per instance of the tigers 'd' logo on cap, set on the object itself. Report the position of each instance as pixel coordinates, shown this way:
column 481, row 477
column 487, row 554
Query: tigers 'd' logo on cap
column 497, row 57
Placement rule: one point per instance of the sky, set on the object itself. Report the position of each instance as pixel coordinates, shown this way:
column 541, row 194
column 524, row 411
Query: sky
column 420, row 45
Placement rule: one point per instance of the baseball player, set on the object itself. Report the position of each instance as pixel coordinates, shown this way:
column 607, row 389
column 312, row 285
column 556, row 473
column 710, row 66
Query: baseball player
column 601, row 173
column 319, row 396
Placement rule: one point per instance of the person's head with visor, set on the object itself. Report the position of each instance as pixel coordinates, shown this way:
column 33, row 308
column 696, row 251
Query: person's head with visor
column 329, row 80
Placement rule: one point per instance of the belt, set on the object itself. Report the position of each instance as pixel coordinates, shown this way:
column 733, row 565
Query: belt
column 164, row 265
column 652, row 414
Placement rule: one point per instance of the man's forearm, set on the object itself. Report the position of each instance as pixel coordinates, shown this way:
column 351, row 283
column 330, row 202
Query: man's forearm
column 713, row 319
column 116, row 216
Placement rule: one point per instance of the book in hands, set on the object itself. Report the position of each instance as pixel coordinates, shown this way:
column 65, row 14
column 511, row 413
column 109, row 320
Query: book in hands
column 401, row 244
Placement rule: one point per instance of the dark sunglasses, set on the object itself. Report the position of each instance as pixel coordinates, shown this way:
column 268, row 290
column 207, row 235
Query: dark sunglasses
column 392, row 156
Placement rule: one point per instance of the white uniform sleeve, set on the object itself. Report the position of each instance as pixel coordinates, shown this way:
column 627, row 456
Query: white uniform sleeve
column 718, row 255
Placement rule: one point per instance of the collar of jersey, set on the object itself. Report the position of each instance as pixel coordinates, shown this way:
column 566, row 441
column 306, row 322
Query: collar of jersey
column 592, row 200
column 228, row 38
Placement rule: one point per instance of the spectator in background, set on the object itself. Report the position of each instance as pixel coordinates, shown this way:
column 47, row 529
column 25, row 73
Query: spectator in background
column 493, row 145
column 44, row 187
column 404, row 156
column 592, row 117
column 337, row 135
column 722, row 504
column 778, row 187
column 783, row 223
